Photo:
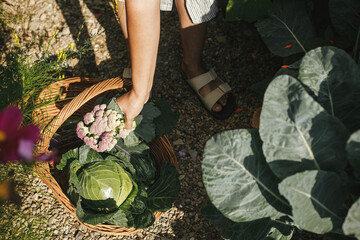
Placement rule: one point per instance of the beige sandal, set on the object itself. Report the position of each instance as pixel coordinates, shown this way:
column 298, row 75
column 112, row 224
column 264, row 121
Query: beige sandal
column 211, row 98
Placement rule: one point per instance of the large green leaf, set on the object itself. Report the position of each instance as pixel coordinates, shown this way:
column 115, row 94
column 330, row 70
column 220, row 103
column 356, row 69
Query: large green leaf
column 67, row 157
column 288, row 29
column 92, row 217
column 316, row 198
column 264, row 228
column 121, row 158
column 165, row 190
column 144, row 220
column 131, row 140
column 248, row 10
column 73, row 191
column 334, row 78
column 292, row 70
column 88, row 155
column 237, row 178
column 351, row 225
column 353, row 151
column 113, row 105
column 345, row 17
column 166, row 120
column 298, row 134
column 118, row 218
column 144, row 165
column 146, row 129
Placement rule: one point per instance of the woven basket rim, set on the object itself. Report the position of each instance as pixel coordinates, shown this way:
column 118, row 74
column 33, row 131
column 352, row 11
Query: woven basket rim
column 160, row 146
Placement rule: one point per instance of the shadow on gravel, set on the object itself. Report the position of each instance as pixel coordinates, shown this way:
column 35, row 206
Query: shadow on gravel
column 103, row 12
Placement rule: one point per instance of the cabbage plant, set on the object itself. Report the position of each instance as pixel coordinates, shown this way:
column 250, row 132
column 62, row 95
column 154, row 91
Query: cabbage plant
column 301, row 169
column 117, row 187
column 123, row 185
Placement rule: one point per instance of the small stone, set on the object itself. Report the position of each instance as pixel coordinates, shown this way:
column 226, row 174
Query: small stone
column 43, row 17
column 83, row 229
column 102, row 238
column 76, row 225
column 66, row 31
column 79, row 235
column 221, row 39
column 200, row 184
column 181, row 177
column 52, row 220
column 178, row 142
column 193, row 154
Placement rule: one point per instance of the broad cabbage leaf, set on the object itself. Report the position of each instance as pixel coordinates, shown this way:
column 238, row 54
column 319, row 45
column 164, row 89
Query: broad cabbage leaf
column 333, row 77
column 298, row 134
column 316, row 198
column 238, row 180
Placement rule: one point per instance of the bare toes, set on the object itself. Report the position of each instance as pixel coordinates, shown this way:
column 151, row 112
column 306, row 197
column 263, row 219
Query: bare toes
column 216, row 108
column 223, row 100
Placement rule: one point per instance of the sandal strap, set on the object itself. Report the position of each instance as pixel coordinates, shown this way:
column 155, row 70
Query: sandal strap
column 200, row 81
column 127, row 73
column 212, row 97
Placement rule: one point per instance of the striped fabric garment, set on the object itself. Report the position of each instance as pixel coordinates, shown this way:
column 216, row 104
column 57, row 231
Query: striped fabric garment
column 199, row 10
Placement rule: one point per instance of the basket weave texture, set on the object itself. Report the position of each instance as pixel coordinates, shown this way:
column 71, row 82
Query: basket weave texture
column 83, row 92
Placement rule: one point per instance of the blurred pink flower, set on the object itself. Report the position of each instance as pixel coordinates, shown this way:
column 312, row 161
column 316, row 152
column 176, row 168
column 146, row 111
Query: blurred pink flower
column 16, row 143
column 182, row 154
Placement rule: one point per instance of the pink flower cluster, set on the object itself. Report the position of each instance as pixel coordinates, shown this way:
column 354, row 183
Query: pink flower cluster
column 16, row 143
column 101, row 128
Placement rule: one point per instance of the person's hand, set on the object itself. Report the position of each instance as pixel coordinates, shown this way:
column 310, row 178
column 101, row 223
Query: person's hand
column 131, row 106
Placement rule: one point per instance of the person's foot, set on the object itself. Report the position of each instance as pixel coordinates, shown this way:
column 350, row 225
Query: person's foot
column 190, row 71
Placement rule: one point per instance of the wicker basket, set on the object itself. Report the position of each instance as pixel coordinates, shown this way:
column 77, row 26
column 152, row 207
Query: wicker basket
column 82, row 92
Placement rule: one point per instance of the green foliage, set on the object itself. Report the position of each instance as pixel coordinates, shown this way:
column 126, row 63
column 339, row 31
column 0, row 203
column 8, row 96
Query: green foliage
column 155, row 119
column 166, row 120
column 103, row 180
column 168, row 182
column 245, row 163
column 352, row 221
column 345, row 17
column 264, row 228
column 15, row 221
column 316, row 198
column 288, row 28
column 146, row 128
column 119, row 187
column 309, row 139
column 248, row 10
column 332, row 76
column 353, row 152
column 23, row 80
column 293, row 27
column 298, row 134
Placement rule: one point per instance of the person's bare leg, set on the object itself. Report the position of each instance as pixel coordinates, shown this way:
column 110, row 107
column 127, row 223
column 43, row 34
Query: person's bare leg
column 193, row 38
column 143, row 23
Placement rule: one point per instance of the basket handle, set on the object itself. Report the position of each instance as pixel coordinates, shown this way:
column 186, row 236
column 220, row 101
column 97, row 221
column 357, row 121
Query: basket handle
column 75, row 104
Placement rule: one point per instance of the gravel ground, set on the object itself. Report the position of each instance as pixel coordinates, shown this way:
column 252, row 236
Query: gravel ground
column 236, row 52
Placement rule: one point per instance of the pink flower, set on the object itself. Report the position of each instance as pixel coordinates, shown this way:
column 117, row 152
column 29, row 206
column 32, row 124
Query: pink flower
column 80, row 130
column 89, row 118
column 16, row 143
column 182, row 154
column 107, row 141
